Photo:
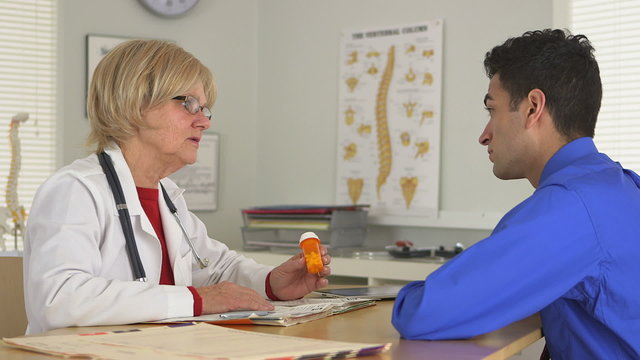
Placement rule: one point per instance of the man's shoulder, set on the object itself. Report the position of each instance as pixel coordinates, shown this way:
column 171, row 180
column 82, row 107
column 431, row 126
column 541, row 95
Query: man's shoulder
column 598, row 184
column 593, row 170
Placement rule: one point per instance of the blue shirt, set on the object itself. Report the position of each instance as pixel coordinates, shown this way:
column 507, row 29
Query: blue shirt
column 570, row 251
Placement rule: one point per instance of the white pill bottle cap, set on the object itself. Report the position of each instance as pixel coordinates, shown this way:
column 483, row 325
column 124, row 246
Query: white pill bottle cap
column 308, row 235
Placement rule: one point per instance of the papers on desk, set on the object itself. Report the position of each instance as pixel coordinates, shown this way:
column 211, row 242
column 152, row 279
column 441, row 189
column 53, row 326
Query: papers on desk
column 286, row 313
column 191, row 341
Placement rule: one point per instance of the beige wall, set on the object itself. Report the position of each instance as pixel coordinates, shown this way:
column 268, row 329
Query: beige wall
column 276, row 62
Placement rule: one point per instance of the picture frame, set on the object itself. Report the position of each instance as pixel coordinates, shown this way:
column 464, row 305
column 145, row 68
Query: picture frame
column 200, row 179
column 97, row 47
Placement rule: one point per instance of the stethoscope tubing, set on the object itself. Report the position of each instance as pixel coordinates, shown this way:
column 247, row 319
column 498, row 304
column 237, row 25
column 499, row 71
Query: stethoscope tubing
column 203, row 263
column 123, row 211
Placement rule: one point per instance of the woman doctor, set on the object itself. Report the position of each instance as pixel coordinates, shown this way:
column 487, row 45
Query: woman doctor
column 148, row 105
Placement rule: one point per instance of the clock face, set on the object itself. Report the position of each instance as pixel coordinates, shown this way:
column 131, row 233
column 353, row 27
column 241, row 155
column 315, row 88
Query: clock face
column 169, row 8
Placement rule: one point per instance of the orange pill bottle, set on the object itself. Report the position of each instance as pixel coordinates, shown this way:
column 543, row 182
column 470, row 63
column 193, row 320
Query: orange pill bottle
column 310, row 245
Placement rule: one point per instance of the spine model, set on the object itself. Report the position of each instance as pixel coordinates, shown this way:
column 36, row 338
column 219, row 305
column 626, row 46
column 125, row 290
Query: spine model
column 18, row 214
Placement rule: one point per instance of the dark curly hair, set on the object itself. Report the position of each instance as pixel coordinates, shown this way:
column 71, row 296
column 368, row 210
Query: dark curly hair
column 559, row 64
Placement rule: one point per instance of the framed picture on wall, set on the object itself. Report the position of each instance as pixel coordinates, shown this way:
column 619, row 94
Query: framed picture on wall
column 97, row 47
column 200, row 179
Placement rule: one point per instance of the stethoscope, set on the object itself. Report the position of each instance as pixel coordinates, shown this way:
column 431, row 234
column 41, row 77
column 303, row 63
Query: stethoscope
column 125, row 221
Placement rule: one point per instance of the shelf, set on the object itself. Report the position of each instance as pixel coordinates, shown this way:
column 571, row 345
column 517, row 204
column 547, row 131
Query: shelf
column 444, row 219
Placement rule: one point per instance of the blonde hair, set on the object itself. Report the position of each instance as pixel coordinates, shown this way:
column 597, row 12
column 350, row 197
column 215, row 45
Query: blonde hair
column 137, row 75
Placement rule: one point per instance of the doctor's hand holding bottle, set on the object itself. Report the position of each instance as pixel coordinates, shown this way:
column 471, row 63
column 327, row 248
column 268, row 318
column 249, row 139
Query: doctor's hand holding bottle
column 290, row 280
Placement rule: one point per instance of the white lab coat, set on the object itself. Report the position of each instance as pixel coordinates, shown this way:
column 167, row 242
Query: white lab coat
column 76, row 268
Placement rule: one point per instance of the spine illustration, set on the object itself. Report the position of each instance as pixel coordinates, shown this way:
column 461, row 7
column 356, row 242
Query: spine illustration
column 355, row 189
column 384, row 140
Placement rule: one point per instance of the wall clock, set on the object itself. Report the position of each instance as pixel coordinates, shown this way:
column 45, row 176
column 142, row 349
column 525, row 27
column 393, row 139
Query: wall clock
column 169, row 8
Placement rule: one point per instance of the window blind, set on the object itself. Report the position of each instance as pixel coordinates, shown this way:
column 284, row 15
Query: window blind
column 613, row 26
column 27, row 84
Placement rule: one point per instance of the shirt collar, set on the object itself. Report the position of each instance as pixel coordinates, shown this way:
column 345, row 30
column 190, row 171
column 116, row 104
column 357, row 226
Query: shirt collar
column 568, row 154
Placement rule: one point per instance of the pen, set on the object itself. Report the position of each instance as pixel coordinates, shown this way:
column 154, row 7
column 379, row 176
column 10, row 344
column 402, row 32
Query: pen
column 243, row 314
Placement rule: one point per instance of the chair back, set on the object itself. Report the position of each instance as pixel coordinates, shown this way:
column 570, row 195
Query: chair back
column 13, row 318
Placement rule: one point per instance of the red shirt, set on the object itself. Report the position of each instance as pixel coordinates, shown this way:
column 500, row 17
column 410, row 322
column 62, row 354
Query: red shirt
column 149, row 201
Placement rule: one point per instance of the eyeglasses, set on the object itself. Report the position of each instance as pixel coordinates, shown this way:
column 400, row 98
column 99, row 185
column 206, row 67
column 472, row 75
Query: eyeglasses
column 193, row 105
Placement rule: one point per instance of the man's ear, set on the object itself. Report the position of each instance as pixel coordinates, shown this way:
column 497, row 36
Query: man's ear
column 536, row 103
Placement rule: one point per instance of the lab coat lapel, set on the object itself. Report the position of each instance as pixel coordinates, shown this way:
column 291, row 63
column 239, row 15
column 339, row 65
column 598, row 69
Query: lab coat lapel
column 129, row 189
column 176, row 244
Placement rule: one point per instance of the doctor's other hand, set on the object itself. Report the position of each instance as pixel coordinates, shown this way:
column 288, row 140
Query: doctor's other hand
column 290, row 280
column 227, row 296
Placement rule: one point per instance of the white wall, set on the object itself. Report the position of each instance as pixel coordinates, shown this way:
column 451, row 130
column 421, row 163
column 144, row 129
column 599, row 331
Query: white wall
column 276, row 63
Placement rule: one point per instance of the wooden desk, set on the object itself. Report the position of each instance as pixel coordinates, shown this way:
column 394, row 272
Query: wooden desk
column 372, row 325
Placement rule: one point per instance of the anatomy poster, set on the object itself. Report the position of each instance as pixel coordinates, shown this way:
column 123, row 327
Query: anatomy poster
column 390, row 86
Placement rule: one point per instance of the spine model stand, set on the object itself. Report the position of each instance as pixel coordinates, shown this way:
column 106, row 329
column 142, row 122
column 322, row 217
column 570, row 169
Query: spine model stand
column 16, row 211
